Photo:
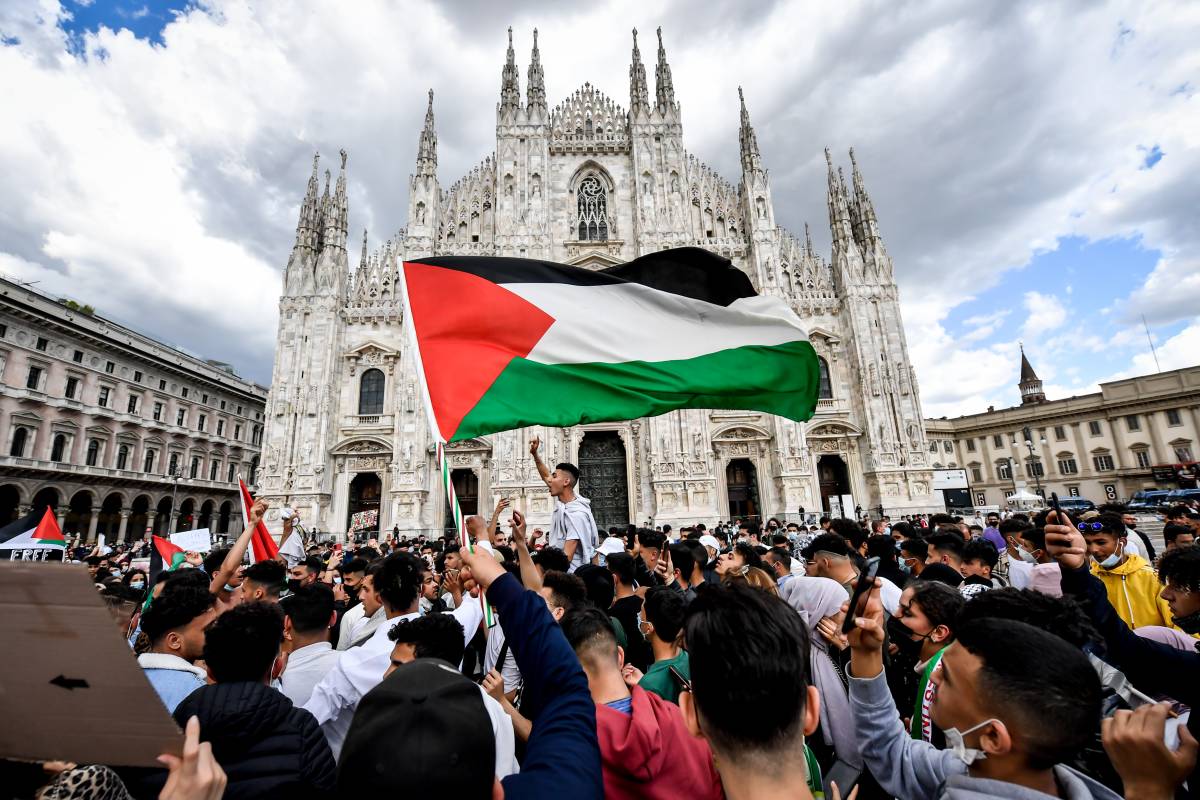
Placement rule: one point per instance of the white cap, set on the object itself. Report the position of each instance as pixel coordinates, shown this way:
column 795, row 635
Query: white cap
column 612, row 545
column 708, row 540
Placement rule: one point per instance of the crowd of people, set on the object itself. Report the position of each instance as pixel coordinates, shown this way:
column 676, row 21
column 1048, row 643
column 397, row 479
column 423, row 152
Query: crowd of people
column 1023, row 656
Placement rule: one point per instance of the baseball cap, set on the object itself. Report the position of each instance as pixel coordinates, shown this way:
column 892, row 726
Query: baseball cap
column 426, row 726
column 613, row 544
column 708, row 540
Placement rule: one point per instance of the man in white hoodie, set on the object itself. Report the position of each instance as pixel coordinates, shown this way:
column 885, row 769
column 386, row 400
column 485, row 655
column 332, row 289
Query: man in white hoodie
column 572, row 526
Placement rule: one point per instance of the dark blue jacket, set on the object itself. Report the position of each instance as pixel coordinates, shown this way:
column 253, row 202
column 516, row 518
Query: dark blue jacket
column 1152, row 667
column 562, row 757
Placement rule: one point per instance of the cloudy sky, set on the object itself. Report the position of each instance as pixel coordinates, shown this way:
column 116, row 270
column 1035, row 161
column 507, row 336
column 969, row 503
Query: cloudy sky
column 1034, row 165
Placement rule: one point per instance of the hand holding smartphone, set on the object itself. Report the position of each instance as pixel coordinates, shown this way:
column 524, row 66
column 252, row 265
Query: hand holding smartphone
column 866, row 580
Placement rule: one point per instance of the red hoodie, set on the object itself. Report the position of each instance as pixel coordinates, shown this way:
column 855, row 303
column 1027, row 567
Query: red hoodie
column 651, row 754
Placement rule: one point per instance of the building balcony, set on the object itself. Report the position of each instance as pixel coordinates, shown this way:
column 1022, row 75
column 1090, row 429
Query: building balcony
column 368, row 421
column 15, row 466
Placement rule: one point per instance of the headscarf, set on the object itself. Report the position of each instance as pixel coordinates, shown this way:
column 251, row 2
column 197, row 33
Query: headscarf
column 814, row 599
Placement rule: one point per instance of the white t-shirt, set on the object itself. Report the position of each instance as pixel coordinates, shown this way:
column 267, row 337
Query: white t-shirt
column 510, row 671
column 574, row 520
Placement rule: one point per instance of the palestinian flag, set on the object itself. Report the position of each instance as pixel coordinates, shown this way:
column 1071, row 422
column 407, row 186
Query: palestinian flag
column 262, row 545
column 505, row 343
column 164, row 555
column 37, row 530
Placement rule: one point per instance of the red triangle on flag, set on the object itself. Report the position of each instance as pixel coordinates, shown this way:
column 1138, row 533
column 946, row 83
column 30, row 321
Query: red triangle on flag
column 48, row 531
column 166, row 548
column 468, row 330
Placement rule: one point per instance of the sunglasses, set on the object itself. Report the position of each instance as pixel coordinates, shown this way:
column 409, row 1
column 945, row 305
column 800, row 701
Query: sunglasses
column 1090, row 526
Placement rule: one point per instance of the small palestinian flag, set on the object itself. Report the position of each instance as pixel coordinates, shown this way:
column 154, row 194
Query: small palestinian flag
column 165, row 555
column 37, row 530
column 505, row 343
column 262, row 544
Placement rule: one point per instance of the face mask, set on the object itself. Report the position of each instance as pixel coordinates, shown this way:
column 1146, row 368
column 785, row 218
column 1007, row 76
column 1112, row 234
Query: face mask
column 904, row 567
column 294, row 584
column 1026, row 556
column 1111, row 561
column 229, row 588
column 901, row 636
column 955, row 743
column 139, row 585
column 1189, row 624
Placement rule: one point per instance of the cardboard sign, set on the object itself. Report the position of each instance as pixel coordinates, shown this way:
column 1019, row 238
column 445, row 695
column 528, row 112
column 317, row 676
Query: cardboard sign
column 199, row 540
column 70, row 687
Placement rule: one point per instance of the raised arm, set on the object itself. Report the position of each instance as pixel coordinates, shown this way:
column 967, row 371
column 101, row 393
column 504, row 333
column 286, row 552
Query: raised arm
column 236, row 553
column 541, row 468
column 530, row 577
column 494, row 522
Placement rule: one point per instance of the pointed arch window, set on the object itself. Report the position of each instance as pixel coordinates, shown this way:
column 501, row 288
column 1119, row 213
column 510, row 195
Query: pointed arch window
column 825, row 387
column 593, row 210
column 370, row 392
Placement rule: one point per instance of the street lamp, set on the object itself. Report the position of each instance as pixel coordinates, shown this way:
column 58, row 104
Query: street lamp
column 1032, row 460
column 174, row 474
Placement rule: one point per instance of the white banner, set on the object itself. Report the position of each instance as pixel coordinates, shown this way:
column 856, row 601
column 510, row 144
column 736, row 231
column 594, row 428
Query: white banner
column 199, row 540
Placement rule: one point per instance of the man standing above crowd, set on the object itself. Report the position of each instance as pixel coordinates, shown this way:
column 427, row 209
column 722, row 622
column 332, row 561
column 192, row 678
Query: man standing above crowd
column 572, row 527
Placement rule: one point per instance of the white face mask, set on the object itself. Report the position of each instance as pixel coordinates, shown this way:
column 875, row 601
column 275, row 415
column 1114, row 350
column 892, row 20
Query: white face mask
column 1026, row 556
column 955, row 743
column 1112, row 560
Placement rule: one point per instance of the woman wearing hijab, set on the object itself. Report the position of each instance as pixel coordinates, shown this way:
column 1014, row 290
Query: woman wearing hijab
column 815, row 599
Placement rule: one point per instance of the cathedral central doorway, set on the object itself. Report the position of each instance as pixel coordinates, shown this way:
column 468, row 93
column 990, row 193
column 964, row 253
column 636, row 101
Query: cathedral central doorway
column 603, row 478
column 466, row 489
column 834, row 478
column 741, row 482
column 362, row 519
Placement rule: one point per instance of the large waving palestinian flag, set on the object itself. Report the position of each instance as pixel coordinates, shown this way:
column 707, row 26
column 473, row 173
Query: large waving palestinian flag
column 506, row 343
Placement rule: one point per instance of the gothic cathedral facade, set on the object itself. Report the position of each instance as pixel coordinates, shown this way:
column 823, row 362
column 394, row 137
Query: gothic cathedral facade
column 589, row 183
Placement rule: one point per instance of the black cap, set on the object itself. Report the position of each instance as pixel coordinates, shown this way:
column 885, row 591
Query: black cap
column 826, row 543
column 423, row 731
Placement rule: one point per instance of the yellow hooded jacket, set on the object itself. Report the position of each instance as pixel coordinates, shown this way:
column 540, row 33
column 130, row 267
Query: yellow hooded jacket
column 1133, row 589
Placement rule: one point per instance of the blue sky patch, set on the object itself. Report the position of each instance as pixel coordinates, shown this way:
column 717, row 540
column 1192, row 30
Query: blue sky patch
column 1088, row 281
column 1152, row 156
column 145, row 19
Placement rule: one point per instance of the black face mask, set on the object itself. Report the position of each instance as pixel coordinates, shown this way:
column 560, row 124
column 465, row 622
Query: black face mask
column 900, row 635
column 1189, row 624
column 294, row 584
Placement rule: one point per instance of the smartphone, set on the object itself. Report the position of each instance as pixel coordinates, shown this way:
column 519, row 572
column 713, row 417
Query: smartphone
column 866, row 579
column 337, row 548
column 684, row 684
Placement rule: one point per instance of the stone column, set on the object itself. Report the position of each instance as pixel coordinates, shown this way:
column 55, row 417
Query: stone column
column 122, row 529
column 61, row 515
column 23, row 509
column 151, row 517
column 93, row 521
column 173, row 522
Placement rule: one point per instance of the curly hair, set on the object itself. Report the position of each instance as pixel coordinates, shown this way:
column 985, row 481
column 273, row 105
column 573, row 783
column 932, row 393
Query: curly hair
column 1180, row 567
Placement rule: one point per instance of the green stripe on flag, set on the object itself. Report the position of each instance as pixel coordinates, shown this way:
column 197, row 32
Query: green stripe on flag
column 776, row 379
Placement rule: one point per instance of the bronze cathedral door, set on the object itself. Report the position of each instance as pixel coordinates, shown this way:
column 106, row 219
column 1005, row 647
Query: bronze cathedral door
column 602, row 478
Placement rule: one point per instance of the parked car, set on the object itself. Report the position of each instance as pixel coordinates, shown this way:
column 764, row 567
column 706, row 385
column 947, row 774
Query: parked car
column 1182, row 496
column 1148, row 499
column 1075, row 505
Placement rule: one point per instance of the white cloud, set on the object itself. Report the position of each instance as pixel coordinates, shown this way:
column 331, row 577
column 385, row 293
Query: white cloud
column 161, row 184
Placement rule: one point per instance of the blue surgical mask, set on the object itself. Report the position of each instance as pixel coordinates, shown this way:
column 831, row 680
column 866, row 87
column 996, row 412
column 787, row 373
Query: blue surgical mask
column 1111, row 561
column 139, row 585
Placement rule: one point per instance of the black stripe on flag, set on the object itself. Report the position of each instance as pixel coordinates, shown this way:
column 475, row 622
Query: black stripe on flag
column 686, row 271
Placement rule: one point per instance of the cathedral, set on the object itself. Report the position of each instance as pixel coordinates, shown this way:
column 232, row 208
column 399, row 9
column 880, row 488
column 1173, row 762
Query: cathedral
column 589, row 183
